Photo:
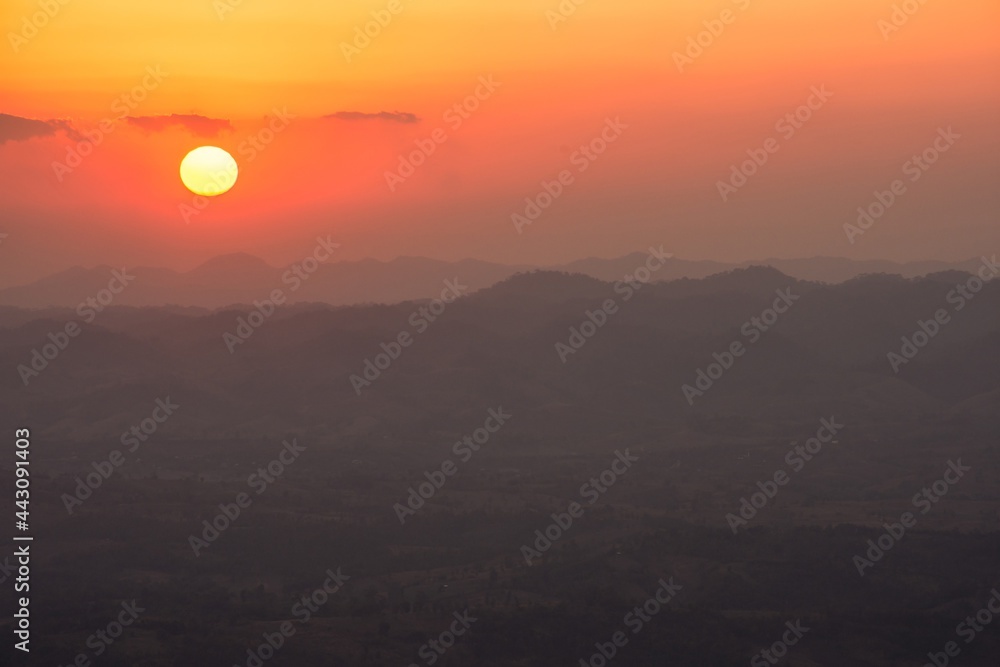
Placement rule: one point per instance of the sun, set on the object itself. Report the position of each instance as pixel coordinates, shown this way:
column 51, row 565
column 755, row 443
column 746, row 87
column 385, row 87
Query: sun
column 209, row 171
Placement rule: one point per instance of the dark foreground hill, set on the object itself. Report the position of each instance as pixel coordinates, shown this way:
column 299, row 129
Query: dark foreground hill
column 443, row 448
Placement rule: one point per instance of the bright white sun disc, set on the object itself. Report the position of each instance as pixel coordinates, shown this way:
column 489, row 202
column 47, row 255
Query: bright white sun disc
column 209, row 171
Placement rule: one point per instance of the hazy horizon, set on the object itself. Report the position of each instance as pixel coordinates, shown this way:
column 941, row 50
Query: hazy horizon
column 274, row 264
column 823, row 97
column 239, row 278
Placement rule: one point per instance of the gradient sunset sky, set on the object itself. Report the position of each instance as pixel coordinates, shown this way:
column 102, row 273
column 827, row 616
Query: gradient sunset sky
column 225, row 71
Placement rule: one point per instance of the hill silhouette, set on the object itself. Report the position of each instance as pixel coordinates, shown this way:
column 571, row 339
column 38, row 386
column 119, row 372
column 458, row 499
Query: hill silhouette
column 828, row 351
column 241, row 278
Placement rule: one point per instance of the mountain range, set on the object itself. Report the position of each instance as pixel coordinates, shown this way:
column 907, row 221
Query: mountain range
column 294, row 370
column 242, row 278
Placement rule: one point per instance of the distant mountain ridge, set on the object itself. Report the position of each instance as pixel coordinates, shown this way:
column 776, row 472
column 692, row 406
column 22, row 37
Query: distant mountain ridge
column 241, row 278
column 826, row 355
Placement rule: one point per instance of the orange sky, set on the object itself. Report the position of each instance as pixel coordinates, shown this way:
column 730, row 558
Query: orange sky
column 226, row 71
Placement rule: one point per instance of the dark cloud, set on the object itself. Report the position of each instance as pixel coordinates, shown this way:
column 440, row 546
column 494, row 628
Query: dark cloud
column 15, row 128
column 200, row 126
column 391, row 116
